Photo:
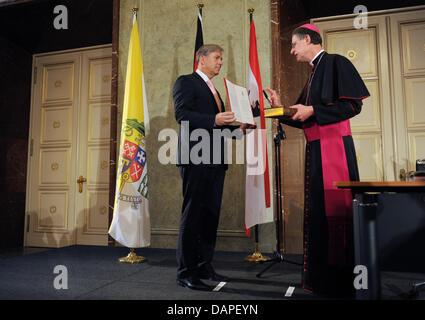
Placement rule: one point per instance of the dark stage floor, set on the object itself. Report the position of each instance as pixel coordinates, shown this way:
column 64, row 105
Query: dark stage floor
column 94, row 273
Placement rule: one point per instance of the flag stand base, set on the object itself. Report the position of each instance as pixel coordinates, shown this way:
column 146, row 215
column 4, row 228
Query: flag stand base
column 257, row 256
column 132, row 258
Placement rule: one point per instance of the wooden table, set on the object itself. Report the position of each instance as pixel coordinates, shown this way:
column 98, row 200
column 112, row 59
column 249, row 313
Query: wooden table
column 387, row 186
column 365, row 205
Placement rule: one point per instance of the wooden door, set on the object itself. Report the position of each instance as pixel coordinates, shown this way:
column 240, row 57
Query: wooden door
column 372, row 128
column 390, row 56
column 407, row 47
column 93, row 160
column 67, row 88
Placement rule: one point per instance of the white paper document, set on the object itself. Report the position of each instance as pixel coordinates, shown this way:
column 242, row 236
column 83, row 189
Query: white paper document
column 239, row 102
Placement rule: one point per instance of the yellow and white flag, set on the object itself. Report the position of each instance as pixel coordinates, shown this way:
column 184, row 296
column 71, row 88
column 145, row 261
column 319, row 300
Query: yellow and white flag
column 131, row 222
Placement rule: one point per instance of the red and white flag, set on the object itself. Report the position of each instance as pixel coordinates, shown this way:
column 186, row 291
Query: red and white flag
column 257, row 188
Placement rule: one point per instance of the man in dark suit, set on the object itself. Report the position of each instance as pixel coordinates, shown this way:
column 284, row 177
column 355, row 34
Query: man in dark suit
column 199, row 110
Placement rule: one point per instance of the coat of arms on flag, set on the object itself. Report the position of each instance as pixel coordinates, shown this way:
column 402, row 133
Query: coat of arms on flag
column 133, row 156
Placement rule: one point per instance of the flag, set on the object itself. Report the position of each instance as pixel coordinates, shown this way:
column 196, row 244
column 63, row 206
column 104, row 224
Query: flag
column 199, row 42
column 257, row 187
column 131, row 222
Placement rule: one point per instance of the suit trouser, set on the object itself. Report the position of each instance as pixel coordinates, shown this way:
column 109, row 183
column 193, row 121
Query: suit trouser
column 202, row 195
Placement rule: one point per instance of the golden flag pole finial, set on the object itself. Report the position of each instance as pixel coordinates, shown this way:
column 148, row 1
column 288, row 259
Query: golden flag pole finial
column 251, row 10
column 135, row 10
column 200, row 5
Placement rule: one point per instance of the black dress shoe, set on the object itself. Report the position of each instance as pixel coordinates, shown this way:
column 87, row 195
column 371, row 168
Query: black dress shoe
column 193, row 283
column 213, row 276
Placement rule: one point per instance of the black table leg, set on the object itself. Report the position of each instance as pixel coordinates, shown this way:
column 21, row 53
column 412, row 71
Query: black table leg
column 365, row 244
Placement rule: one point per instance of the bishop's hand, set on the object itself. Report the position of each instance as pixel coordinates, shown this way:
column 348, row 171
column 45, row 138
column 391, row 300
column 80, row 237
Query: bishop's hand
column 274, row 98
column 302, row 112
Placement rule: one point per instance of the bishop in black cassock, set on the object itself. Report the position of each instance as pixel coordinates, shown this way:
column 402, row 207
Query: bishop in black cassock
column 332, row 95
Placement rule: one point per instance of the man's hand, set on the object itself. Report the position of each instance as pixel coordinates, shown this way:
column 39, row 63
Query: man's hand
column 224, row 118
column 274, row 98
column 303, row 112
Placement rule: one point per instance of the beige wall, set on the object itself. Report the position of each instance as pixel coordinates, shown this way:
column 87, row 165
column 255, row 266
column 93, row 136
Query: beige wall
column 167, row 29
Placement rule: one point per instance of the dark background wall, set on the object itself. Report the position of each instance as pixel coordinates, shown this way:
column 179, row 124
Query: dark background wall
column 317, row 9
column 15, row 86
column 30, row 24
column 26, row 28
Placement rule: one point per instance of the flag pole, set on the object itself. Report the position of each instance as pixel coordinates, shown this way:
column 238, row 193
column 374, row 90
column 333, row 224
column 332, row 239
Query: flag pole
column 257, row 255
column 199, row 40
column 132, row 257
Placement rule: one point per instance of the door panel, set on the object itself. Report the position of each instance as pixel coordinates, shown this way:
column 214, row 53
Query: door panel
column 53, row 208
column 99, row 130
column 369, row 156
column 93, row 201
column 413, row 35
column 54, row 167
column 415, row 97
column 69, row 134
column 50, row 213
column 358, row 46
column 362, row 48
column 58, row 82
column 416, row 147
column 56, row 125
column 408, row 29
column 370, row 117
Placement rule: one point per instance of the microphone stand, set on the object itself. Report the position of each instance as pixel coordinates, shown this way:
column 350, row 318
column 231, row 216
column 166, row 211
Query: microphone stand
column 278, row 254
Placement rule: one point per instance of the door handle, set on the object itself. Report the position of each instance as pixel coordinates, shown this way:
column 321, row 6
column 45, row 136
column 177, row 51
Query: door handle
column 404, row 175
column 80, row 182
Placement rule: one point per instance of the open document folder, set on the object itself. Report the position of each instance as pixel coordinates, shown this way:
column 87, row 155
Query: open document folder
column 239, row 102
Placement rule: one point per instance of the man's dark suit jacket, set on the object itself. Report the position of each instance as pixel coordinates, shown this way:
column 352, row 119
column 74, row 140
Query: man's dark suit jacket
column 195, row 103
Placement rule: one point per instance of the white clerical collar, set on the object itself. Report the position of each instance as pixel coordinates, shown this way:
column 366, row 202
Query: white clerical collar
column 203, row 75
column 311, row 62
